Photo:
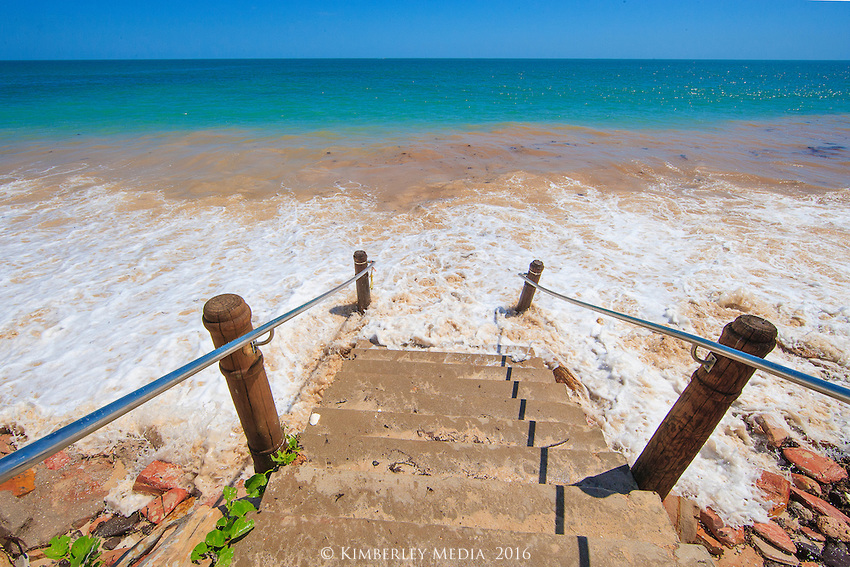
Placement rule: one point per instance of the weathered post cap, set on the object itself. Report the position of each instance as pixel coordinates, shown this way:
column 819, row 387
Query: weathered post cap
column 536, row 267
column 754, row 329
column 226, row 317
column 360, row 257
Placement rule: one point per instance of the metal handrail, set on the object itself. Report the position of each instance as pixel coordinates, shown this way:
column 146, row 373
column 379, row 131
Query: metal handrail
column 40, row 449
column 817, row 384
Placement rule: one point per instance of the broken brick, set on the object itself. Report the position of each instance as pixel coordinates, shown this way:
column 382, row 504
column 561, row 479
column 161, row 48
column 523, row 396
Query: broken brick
column 158, row 478
column 820, row 468
column 777, row 489
column 776, row 536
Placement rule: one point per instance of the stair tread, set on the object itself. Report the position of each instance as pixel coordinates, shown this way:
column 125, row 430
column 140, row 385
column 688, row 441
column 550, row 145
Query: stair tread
column 376, row 397
column 603, row 469
column 293, row 540
column 470, row 371
column 515, row 360
column 453, row 501
column 462, row 429
column 349, row 380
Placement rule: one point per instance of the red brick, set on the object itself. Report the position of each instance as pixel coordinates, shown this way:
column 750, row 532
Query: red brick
column 812, row 534
column 153, row 510
column 172, row 498
column 775, row 536
column 158, row 478
column 158, row 508
column 21, row 484
column 712, row 545
column 58, row 461
column 728, row 536
column 820, row 468
column 777, row 489
column 803, row 482
column 817, row 505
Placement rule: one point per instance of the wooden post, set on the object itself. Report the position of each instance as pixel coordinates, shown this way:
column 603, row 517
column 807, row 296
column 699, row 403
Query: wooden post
column 534, row 271
column 364, row 297
column 227, row 317
column 701, row 406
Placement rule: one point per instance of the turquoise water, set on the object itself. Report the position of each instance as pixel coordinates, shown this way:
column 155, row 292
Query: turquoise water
column 295, row 96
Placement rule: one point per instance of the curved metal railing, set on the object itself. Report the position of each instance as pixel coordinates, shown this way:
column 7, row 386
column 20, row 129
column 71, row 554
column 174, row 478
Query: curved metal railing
column 817, row 384
column 29, row 455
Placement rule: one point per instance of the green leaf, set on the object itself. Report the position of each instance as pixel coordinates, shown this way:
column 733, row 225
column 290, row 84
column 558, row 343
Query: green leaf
column 84, row 551
column 216, row 538
column 225, row 557
column 241, row 527
column 58, row 547
column 199, row 552
column 229, row 493
column 256, row 484
column 221, row 523
column 241, row 507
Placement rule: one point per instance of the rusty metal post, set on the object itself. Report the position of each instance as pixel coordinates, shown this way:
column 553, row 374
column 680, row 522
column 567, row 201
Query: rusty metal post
column 364, row 297
column 701, row 406
column 534, row 271
column 227, row 317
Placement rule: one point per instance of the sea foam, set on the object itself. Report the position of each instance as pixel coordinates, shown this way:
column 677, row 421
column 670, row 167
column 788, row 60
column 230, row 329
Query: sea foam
column 104, row 287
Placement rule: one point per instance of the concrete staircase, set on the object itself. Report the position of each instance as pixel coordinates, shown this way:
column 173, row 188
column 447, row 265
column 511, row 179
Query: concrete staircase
column 423, row 458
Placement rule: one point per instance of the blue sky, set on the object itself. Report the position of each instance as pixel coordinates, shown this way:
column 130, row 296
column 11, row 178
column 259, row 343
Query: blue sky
column 719, row 29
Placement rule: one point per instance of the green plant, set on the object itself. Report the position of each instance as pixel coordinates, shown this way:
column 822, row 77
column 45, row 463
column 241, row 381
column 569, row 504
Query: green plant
column 233, row 524
column 84, row 552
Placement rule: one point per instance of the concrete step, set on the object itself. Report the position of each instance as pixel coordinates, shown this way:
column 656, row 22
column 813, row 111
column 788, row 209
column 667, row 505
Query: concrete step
column 556, row 465
column 475, row 359
column 453, row 387
column 491, row 431
column 412, row 369
column 459, row 502
column 379, row 397
column 320, row 542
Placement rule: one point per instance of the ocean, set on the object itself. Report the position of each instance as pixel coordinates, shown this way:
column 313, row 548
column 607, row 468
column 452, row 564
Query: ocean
column 682, row 192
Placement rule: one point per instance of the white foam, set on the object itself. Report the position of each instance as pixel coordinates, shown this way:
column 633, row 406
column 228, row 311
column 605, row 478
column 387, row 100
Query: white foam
column 103, row 293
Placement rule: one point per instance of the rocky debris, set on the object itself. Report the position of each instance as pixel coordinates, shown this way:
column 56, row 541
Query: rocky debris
column 817, row 505
column 158, row 478
column 822, row 469
column 812, row 534
column 833, row 528
column 800, row 512
column 116, row 526
column 774, row 428
column 161, row 506
column 777, row 489
column 836, row 555
column 805, row 483
column 65, row 495
column 712, row 545
column 61, row 497
column 776, row 536
column 740, row 556
column 771, row 553
column 728, row 536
